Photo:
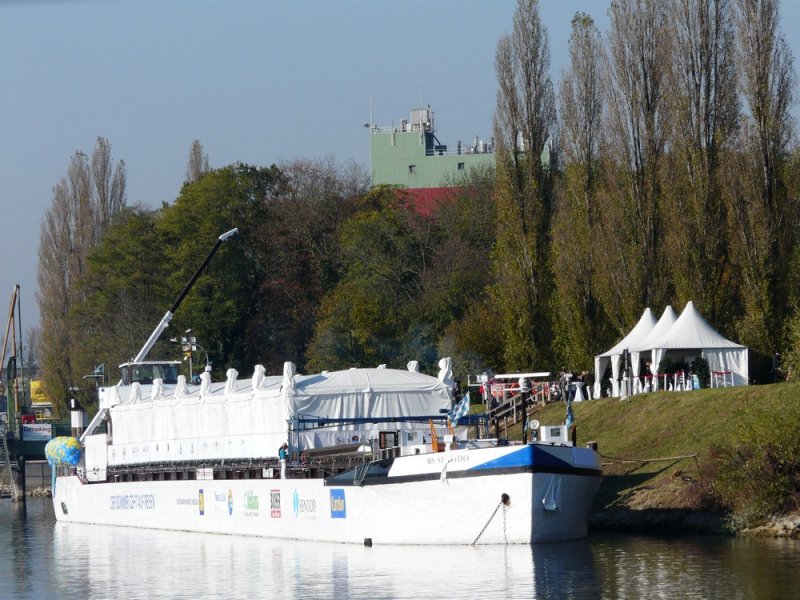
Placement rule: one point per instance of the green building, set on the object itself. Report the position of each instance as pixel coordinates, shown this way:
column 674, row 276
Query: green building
column 411, row 156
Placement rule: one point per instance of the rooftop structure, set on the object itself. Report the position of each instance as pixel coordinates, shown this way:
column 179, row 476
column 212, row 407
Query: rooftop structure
column 410, row 154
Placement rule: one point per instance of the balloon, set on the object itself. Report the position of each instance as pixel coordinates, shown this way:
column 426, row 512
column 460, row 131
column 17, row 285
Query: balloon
column 63, row 450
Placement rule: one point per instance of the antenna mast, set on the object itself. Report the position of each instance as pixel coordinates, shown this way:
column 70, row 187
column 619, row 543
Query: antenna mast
column 371, row 121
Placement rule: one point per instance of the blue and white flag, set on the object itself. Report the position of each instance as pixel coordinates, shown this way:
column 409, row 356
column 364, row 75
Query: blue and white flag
column 459, row 410
column 570, row 419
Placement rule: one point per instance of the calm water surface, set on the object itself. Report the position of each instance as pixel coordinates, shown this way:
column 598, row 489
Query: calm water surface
column 40, row 558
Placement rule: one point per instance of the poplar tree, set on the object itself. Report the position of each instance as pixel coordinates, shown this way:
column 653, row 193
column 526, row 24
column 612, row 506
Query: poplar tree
column 631, row 273
column 763, row 216
column 577, row 241
column 523, row 124
column 83, row 206
column 705, row 112
column 197, row 165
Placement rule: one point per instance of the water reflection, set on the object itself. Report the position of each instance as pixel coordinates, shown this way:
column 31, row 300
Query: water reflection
column 43, row 559
column 633, row 567
column 125, row 563
column 122, row 563
column 564, row 570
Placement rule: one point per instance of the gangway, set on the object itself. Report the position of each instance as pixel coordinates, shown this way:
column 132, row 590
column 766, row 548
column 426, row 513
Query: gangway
column 8, row 485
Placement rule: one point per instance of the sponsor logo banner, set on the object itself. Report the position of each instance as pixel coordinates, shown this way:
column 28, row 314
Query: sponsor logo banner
column 250, row 504
column 338, row 504
column 216, row 501
column 275, row 504
column 303, row 505
column 133, row 502
column 37, row 432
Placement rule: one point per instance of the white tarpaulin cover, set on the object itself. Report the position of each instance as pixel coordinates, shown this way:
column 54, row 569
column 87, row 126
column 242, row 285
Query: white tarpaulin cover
column 232, row 419
column 365, row 393
column 691, row 335
column 646, row 323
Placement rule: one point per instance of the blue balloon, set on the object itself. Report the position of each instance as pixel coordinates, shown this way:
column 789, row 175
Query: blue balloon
column 63, row 450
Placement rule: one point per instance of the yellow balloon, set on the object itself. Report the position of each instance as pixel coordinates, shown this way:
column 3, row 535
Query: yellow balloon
column 63, row 450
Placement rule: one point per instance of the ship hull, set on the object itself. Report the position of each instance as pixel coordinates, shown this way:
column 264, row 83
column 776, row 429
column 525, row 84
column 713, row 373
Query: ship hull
column 510, row 495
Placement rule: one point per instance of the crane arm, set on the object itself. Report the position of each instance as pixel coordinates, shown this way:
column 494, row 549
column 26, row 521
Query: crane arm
column 162, row 325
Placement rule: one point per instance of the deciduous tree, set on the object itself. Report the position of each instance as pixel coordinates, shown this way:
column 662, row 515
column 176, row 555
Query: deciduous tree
column 631, row 273
column 763, row 216
column 705, row 109
column 223, row 303
column 577, row 240
column 300, row 254
column 197, row 165
column 84, row 204
column 523, row 123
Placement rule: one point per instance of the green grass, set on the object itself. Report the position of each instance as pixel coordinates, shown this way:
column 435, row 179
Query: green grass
column 746, row 441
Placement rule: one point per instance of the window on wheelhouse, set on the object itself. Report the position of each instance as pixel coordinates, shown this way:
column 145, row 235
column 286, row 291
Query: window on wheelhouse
column 145, row 373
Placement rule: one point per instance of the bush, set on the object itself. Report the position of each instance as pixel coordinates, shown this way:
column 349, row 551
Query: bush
column 791, row 356
column 759, row 474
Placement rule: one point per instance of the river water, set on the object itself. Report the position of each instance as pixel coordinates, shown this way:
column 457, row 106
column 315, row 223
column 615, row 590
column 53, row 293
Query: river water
column 40, row 558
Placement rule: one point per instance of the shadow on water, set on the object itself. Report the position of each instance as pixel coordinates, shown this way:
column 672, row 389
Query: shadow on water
column 564, row 570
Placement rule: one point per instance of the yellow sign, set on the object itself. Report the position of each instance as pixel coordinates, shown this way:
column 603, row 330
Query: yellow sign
column 37, row 392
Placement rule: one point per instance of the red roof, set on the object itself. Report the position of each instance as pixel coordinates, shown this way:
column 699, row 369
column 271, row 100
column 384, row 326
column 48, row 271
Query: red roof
column 425, row 200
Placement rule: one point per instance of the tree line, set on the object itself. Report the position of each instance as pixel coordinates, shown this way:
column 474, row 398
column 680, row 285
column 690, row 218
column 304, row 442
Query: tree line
column 662, row 169
column 670, row 175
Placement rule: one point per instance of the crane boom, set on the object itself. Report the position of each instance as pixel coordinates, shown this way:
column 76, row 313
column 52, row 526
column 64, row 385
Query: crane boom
column 165, row 320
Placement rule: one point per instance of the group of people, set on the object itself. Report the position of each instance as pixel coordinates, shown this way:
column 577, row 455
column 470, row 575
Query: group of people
column 572, row 386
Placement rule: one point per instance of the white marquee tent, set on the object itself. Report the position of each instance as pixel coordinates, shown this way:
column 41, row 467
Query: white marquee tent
column 664, row 324
column 692, row 336
column 682, row 338
column 646, row 323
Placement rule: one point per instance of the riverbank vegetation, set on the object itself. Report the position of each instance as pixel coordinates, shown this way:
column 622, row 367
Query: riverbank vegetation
column 682, row 459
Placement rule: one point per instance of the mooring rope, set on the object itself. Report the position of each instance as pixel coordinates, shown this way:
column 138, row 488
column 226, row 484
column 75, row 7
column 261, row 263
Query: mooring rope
column 475, row 541
column 647, row 460
column 504, row 500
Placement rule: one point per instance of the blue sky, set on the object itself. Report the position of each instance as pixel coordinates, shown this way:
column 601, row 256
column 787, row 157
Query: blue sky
column 254, row 81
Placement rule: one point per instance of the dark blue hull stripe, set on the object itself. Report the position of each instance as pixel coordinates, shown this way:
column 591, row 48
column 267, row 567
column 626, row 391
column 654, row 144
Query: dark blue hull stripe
column 479, row 471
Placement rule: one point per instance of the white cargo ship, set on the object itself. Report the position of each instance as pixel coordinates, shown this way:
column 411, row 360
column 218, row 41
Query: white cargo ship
column 372, row 458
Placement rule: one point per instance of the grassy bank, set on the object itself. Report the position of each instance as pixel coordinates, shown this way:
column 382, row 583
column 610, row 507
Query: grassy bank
column 711, row 459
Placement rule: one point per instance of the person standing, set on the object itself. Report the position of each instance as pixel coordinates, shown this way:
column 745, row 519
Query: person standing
column 283, row 454
column 588, row 379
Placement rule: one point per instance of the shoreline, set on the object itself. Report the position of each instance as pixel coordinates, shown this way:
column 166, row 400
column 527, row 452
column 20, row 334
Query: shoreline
column 687, row 521
column 661, row 521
